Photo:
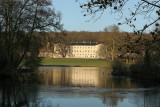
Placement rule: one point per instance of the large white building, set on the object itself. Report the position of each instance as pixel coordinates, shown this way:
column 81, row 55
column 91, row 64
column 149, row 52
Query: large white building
column 76, row 50
column 85, row 50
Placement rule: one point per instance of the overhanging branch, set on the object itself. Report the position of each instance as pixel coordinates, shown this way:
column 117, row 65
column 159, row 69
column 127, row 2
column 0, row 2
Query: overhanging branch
column 151, row 3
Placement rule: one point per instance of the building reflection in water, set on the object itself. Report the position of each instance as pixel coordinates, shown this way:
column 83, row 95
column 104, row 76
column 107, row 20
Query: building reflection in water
column 71, row 76
column 85, row 77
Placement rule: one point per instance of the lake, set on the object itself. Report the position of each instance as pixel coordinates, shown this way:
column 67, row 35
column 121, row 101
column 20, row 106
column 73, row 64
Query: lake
column 80, row 87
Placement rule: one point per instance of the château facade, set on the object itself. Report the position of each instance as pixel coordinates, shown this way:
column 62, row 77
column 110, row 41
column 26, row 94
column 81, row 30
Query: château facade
column 85, row 50
column 75, row 50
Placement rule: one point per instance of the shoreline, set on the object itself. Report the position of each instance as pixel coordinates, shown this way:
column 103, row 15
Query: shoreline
column 75, row 62
column 74, row 66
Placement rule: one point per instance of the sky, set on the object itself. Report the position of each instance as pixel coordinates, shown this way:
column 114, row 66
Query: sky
column 74, row 20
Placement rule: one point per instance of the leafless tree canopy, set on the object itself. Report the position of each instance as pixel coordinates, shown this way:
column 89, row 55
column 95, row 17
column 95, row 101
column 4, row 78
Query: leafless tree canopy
column 112, row 28
column 20, row 22
column 149, row 9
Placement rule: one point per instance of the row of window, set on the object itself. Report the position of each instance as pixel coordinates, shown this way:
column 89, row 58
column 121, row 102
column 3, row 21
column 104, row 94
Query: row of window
column 83, row 47
column 83, row 51
column 83, row 54
column 86, row 56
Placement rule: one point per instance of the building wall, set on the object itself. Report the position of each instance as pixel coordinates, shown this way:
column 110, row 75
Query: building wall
column 85, row 51
column 77, row 51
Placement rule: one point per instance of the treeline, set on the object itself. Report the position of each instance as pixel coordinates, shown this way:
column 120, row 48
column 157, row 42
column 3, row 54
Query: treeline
column 122, row 46
column 90, row 36
column 84, row 36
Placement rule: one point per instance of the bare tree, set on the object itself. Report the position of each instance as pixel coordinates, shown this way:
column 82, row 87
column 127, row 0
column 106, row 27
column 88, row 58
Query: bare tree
column 112, row 28
column 102, row 52
column 62, row 45
column 146, row 8
column 63, row 49
column 111, row 43
column 21, row 23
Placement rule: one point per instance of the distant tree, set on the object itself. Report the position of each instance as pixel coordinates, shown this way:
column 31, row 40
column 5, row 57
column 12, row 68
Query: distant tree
column 132, row 47
column 21, row 23
column 63, row 49
column 112, row 28
column 128, row 48
column 102, row 52
column 106, row 29
column 111, row 45
column 62, row 44
column 151, row 47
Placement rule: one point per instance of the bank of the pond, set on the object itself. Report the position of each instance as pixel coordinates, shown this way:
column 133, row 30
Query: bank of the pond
column 139, row 71
column 75, row 62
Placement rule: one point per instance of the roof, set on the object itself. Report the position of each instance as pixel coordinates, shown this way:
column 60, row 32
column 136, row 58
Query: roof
column 89, row 43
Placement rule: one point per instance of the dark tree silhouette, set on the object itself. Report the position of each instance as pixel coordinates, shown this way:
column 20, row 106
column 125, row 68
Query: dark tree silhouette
column 21, row 23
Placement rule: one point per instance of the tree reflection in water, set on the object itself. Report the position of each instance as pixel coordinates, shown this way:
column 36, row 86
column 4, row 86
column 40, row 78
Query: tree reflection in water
column 19, row 92
column 147, row 98
column 17, row 95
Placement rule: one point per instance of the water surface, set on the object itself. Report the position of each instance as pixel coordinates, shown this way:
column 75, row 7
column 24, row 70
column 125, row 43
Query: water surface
column 81, row 87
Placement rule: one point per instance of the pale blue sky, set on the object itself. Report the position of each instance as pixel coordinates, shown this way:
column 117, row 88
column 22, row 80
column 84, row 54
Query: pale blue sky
column 73, row 19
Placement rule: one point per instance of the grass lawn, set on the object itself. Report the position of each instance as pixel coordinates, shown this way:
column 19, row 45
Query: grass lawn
column 75, row 62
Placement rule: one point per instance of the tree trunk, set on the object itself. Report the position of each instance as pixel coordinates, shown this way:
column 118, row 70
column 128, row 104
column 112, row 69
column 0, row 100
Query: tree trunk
column 113, row 49
column 147, row 60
